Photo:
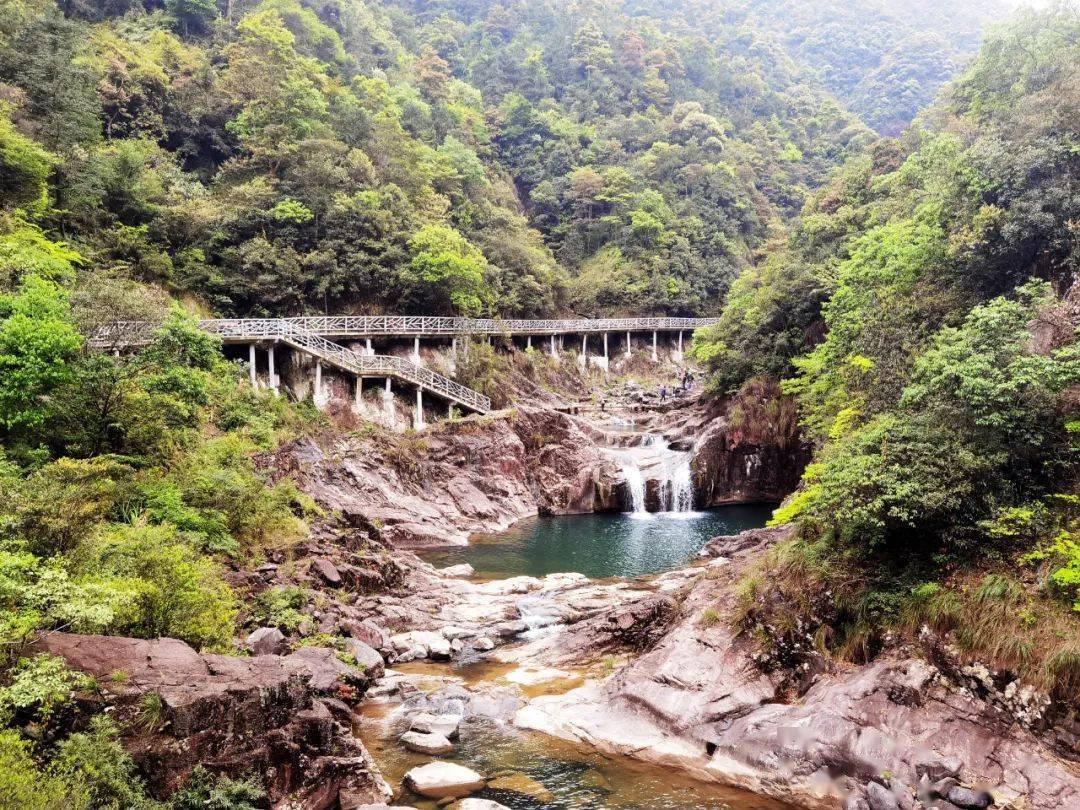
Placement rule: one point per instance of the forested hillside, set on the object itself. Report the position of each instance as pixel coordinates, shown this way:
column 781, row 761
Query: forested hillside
column 923, row 315
column 492, row 158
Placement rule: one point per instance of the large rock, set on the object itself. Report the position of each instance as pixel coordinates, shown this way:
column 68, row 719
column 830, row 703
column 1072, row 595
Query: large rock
column 369, row 660
column 439, row 780
column 445, row 725
column 266, row 641
column 426, row 743
column 244, row 715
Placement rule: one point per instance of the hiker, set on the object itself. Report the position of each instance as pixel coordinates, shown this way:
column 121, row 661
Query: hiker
column 663, row 393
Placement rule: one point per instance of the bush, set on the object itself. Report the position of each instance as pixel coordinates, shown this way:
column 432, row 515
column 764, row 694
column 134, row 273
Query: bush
column 23, row 786
column 39, row 686
column 279, row 607
column 95, row 764
column 175, row 590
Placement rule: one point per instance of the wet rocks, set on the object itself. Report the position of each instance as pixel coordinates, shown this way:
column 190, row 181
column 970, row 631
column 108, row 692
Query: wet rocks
column 463, row 570
column 429, row 743
column 442, row 725
column 439, row 780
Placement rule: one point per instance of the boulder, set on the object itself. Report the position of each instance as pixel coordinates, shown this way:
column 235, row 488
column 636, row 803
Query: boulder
column 246, row 715
column 439, row 780
column 367, row 631
column 266, row 641
column 969, row 799
column 429, row 743
column 445, row 725
column 478, row 804
column 327, row 571
column 880, row 797
column 461, row 571
column 368, row 659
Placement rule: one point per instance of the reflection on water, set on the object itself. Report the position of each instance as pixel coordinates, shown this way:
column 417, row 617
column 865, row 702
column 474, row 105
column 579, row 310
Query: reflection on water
column 564, row 777
column 600, row 545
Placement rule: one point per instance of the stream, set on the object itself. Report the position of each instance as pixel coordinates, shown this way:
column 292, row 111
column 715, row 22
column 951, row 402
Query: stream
column 527, row 770
column 531, row 771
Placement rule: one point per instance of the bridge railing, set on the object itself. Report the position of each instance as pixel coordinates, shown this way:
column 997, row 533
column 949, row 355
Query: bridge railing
column 375, row 365
column 128, row 333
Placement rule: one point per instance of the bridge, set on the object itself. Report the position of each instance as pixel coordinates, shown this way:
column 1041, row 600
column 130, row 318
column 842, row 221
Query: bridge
column 311, row 335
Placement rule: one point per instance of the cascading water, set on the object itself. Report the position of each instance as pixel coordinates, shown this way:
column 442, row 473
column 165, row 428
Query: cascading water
column 635, row 484
column 679, row 488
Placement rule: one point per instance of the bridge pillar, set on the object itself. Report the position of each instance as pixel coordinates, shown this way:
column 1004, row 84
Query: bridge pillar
column 679, row 353
column 628, row 343
column 370, row 349
column 271, row 372
column 388, row 403
column 655, row 357
column 251, row 364
column 418, row 422
column 453, row 346
column 450, row 409
column 318, row 396
column 552, row 345
column 359, row 392
column 585, row 350
column 416, row 350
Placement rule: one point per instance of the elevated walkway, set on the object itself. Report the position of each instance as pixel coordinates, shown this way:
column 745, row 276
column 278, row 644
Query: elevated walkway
column 130, row 333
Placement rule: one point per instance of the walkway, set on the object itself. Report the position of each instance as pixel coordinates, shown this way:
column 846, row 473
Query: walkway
column 129, row 333
column 310, row 335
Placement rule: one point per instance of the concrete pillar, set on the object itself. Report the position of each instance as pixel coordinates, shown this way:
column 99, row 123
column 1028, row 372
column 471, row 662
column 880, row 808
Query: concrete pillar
column 453, row 346
column 654, row 354
column 370, row 350
column 251, row 363
column 553, row 345
column 418, row 422
column 388, row 403
column 271, row 371
column 585, row 350
column 318, row 382
column 450, row 409
column 528, row 342
column 627, row 342
column 416, row 350
column 605, row 349
column 680, row 342
column 359, row 391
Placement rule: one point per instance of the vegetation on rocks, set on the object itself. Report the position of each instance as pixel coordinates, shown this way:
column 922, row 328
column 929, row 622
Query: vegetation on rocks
column 923, row 316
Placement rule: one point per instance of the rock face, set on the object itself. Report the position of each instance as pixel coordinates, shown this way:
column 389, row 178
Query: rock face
column 696, row 700
column 458, row 479
column 272, row 715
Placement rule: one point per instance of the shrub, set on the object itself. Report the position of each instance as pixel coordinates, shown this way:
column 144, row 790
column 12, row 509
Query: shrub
column 39, row 686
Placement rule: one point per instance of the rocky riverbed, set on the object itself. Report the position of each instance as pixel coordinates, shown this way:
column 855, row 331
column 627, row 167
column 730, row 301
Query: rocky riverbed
column 438, row 665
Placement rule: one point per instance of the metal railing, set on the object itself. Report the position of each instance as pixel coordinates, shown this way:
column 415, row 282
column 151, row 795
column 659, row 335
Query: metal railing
column 376, row 365
column 289, row 332
column 127, row 333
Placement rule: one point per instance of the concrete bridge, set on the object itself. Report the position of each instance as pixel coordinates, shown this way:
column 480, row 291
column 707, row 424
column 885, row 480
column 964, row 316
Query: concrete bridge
column 311, row 335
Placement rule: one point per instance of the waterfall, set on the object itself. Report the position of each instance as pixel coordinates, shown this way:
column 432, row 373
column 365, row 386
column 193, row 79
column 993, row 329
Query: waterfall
column 677, row 487
column 635, row 483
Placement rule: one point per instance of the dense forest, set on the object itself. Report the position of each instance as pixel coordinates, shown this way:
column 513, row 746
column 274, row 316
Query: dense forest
column 514, row 159
column 881, row 206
